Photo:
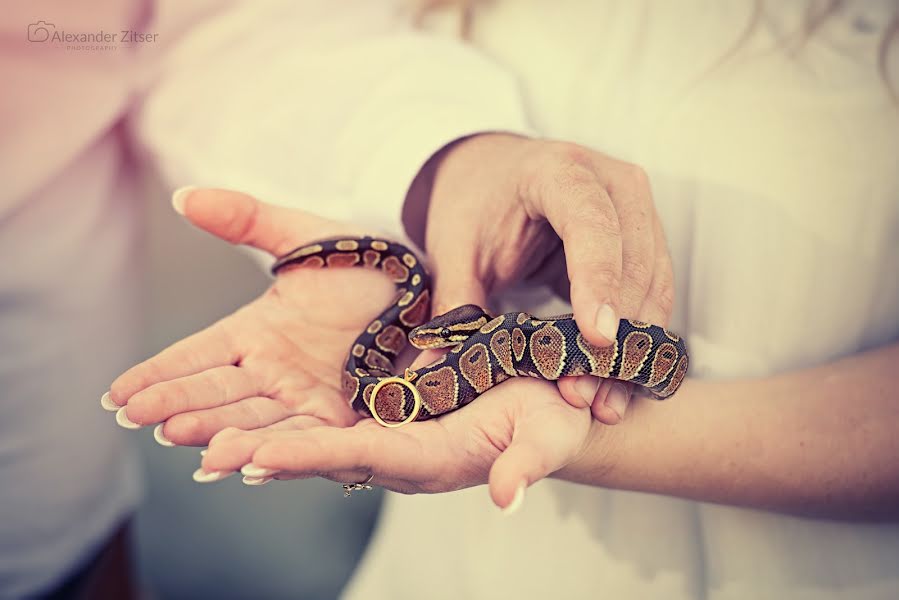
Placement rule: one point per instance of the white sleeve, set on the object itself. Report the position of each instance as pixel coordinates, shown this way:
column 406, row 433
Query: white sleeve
column 330, row 107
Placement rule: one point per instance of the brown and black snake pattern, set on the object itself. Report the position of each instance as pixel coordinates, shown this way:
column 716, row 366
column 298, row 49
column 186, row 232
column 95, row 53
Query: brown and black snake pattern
column 485, row 350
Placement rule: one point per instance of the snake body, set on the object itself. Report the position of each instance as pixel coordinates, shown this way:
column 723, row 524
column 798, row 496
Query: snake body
column 486, row 350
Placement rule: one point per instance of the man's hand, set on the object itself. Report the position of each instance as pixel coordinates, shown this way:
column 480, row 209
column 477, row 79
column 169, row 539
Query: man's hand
column 493, row 209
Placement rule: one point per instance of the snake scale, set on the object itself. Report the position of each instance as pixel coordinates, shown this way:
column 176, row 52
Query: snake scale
column 486, row 350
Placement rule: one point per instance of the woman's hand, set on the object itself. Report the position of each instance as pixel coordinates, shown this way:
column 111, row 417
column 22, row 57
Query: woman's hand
column 494, row 208
column 276, row 361
column 513, row 436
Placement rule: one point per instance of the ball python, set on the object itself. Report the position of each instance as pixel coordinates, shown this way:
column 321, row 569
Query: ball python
column 485, row 350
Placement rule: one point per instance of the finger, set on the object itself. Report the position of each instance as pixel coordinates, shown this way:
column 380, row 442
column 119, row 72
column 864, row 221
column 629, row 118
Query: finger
column 633, row 205
column 232, row 448
column 582, row 213
column 579, row 391
column 365, row 448
column 239, row 218
column 197, row 427
column 212, row 347
column 344, row 477
column 659, row 302
column 208, row 389
column 611, row 401
column 597, row 393
column 533, row 454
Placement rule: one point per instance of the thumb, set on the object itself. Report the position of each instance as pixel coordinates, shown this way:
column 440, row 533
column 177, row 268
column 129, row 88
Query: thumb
column 239, row 218
column 455, row 284
column 534, row 453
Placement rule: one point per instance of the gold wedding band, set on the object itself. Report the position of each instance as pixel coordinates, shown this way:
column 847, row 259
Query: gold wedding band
column 415, row 409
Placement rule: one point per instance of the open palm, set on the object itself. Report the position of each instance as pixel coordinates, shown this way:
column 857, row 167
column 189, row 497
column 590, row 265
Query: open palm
column 277, row 360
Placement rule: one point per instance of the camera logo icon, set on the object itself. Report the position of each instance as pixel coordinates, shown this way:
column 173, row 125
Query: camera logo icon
column 40, row 31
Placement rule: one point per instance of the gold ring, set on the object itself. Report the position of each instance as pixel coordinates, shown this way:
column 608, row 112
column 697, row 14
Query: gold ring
column 374, row 394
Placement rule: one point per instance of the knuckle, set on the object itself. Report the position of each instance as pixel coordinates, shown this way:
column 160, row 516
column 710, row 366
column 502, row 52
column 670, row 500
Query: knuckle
column 573, row 176
column 569, row 153
column 606, row 277
column 592, row 219
column 636, row 272
column 240, row 220
column 220, row 437
column 664, row 297
column 217, row 383
column 637, row 177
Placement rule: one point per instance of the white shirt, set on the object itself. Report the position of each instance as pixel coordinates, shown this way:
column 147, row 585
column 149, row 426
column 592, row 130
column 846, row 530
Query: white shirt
column 775, row 178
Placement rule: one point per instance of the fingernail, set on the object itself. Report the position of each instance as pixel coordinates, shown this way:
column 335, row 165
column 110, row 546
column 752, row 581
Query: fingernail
column 203, row 452
column 178, row 197
column 517, row 500
column 107, row 403
column 251, row 470
column 122, row 419
column 202, row 476
column 160, row 438
column 617, row 399
column 586, row 387
column 607, row 322
column 256, row 480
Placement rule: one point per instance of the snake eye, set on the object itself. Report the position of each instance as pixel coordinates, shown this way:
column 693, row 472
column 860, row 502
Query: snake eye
column 445, row 332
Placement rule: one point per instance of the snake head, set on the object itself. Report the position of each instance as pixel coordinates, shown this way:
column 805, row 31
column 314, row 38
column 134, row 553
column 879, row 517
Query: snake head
column 449, row 329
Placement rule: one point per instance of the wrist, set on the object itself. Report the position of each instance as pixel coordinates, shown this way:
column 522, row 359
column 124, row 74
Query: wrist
column 650, row 450
column 417, row 204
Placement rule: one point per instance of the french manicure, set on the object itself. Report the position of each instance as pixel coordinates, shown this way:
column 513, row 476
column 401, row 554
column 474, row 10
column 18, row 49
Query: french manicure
column 617, row 399
column 517, row 500
column 256, row 480
column 179, row 196
column 203, row 476
column 607, row 322
column 251, row 470
column 586, row 387
column 107, row 403
column 160, row 438
column 122, row 419
column 204, row 451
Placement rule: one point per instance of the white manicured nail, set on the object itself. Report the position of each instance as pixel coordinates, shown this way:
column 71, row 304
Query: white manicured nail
column 256, row 480
column 607, row 322
column 160, row 438
column 122, row 419
column 107, row 403
column 517, row 500
column 203, row 452
column 251, row 470
column 202, row 476
column 178, row 197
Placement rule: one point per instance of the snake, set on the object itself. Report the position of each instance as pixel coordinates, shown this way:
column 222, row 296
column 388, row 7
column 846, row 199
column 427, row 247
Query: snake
column 485, row 350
